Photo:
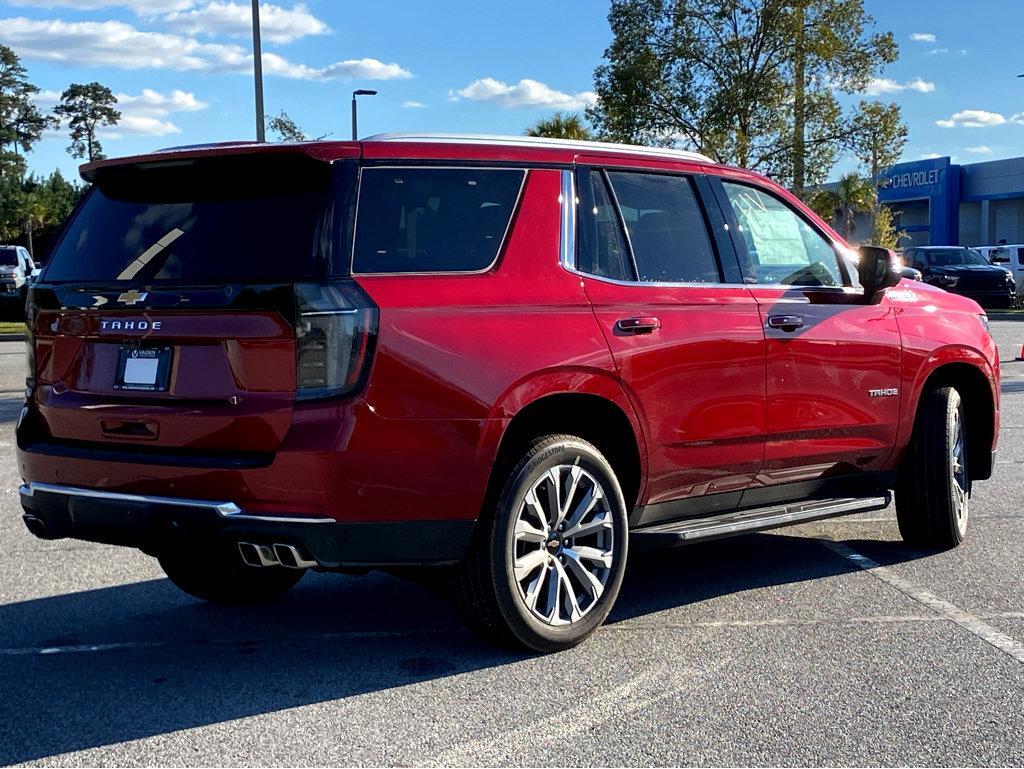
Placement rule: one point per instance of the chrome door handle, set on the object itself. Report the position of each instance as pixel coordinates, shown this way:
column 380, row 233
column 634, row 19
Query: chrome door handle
column 785, row 322
column 636, row 326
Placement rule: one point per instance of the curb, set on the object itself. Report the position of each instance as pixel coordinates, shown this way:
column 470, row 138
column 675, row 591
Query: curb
column 12, row 337
column 1006, row 315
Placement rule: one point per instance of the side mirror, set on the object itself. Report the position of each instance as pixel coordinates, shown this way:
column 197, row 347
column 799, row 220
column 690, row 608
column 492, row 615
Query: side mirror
column 876, row 270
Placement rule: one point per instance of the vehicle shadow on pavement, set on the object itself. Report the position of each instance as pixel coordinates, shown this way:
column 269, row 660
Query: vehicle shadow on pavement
column 166, row 662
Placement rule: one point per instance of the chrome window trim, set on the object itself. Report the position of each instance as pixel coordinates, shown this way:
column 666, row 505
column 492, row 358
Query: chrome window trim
column 227, row 510
column 568, row 203
column 524, row 170
column 568, row 251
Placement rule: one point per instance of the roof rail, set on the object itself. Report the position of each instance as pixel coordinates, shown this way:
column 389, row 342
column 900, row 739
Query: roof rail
column 537, row 141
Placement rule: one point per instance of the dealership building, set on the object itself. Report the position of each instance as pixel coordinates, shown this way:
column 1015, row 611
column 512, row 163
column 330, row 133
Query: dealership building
column 937, row 202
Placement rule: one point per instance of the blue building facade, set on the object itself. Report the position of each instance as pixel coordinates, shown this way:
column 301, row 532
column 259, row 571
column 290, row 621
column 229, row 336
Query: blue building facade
column 937, row 202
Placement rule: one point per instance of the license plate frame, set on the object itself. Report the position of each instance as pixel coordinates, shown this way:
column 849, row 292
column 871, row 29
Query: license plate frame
column 146, row 369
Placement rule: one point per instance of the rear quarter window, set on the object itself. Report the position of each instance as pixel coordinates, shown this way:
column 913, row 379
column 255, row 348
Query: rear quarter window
column 421, row 220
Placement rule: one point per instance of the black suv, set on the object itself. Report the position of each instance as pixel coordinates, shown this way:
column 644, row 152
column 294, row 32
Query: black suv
column 964, row 271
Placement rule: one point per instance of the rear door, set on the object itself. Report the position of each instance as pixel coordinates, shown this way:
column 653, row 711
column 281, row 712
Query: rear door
column 685, row 334
column 833, row 361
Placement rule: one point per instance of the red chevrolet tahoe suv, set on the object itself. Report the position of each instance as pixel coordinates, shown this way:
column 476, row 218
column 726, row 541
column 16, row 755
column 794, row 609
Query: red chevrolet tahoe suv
column 507, row 360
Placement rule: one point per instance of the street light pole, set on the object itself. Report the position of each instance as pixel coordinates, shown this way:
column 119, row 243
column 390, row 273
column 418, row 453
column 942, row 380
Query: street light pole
column 257, row 62
column 360, row 92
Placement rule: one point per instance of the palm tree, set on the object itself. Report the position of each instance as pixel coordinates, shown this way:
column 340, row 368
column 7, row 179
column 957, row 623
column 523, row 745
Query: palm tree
column 561, row 125
column 852, row 195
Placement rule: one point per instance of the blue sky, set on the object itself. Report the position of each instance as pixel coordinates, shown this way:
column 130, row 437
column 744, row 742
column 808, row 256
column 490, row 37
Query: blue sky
column 179, row 67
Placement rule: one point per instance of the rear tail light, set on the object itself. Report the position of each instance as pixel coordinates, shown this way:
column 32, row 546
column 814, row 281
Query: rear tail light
column 31, row 313
column 335, row 332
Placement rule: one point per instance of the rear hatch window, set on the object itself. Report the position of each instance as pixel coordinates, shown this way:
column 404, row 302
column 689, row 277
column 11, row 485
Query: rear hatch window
column 212, row 220
column 433, row 219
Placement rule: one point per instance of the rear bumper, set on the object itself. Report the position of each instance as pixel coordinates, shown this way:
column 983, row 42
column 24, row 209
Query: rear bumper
column 54, row 512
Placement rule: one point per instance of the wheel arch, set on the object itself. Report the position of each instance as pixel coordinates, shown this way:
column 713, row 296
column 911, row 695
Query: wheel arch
column 598, row 414
column 979, row 399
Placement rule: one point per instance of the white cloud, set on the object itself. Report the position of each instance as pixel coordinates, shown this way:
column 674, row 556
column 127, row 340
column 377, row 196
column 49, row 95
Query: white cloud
column 153, row 103
column 364, row 69
column 139, row 125
column 1017, row 118
column 981, row 149
column 141, row 7
column 525, row 93
column 122, row 46
column 277, row 24
column 413, row 105
column 972, row 118
column 936, row 51
column 931, row 156
column 882, row 85
column 922, row 37
column 144, row 114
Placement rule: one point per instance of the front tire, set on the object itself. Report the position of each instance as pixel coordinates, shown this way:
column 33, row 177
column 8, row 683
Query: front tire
column 933, row 489
column 219, row 575
column 545, row 569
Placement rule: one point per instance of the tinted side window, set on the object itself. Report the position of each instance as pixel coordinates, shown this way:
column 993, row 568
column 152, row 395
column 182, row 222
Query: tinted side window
column 1020, row 256
column 781, row 247
column 666, row 228
column 433, row 219
column 610, row 256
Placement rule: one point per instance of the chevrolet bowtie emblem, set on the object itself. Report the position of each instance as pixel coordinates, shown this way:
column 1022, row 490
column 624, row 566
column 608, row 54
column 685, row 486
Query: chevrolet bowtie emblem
column 132, row 297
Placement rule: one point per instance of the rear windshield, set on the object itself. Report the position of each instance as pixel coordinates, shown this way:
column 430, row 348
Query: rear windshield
column 433, row 219
column 217, row 220
column 8, row 257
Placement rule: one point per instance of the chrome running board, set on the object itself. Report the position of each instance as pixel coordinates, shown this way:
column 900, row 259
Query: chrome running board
column 757, row 519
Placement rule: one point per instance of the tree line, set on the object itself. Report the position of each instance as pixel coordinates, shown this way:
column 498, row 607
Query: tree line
column 33, row 208
column 752, row 83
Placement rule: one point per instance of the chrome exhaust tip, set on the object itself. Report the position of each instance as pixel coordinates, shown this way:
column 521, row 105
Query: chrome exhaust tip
column 288, row 555
column 258, row 555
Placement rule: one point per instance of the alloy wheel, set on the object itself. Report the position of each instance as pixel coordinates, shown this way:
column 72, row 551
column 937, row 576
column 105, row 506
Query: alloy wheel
column 958, row 466
column 563, row 545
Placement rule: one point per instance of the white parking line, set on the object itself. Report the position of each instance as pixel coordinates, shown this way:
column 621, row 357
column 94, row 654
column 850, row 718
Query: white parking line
column 953, row 613
column 639, row 693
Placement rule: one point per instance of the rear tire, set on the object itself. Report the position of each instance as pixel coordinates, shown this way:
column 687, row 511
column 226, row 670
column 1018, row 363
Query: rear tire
column 219, row 575
column 545, row 568
column 933, row 489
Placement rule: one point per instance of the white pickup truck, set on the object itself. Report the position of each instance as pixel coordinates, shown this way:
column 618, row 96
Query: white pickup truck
column 17, row 270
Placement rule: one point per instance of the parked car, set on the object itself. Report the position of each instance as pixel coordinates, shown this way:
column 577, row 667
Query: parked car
column 903, row 270
column 964, row 271
column 507, row 362
column 16, row 271
column 1009, row 256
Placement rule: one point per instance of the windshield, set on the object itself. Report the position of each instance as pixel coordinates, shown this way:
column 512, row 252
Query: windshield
column 952, row 257
column 218, row 220
column 8, row 257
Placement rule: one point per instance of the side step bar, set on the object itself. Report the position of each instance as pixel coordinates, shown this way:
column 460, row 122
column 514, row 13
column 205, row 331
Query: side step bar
column 757, row 519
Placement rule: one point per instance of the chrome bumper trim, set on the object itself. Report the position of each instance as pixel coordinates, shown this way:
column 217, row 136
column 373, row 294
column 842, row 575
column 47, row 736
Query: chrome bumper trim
column 228, row 510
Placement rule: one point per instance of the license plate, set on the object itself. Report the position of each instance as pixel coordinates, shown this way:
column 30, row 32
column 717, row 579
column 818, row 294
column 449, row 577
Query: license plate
column 143, row 368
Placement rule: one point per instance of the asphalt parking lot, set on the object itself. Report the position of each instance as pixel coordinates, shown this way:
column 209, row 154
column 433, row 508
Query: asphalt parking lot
column 829, row 643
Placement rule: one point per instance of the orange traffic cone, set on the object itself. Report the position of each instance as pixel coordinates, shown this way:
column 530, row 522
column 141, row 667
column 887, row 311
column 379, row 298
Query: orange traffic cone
column 1021, row 356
